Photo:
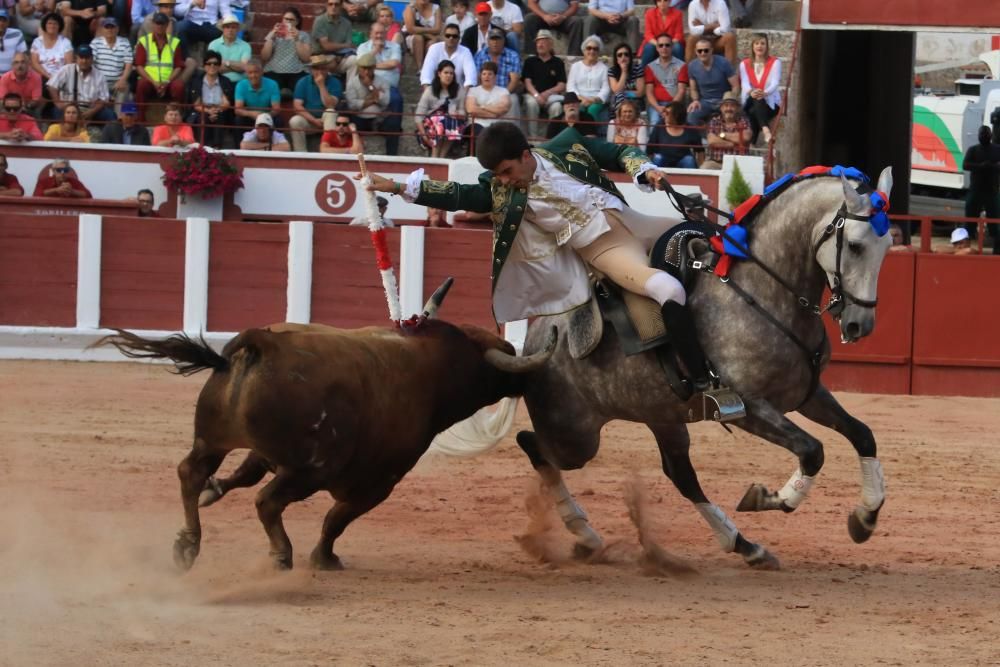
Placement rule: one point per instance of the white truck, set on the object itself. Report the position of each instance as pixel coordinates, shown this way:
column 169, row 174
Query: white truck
column 944, row 126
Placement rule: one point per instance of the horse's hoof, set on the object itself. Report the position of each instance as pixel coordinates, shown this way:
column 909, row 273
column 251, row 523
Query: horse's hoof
column 211, row 493
column 858, row 527
column 582, row 552
column 762, row 559
column 328, row 562
column 753, row 499
column 186, row 549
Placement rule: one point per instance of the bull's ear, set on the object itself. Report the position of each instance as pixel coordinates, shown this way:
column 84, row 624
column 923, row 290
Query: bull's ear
column 856, row 202
column 885, row 181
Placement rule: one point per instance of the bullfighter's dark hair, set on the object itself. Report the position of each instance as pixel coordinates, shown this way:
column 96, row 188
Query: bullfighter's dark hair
column 499, row 142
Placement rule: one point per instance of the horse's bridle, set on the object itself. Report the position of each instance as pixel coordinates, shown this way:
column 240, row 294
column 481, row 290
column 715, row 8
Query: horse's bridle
column 840, row 295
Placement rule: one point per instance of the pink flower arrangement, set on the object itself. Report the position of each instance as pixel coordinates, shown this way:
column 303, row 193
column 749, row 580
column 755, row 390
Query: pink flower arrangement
column 202, row 172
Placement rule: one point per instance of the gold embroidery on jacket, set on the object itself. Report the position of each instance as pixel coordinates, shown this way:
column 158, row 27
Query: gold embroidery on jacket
column 633, row 164
column 438, row 187
column 501, row 204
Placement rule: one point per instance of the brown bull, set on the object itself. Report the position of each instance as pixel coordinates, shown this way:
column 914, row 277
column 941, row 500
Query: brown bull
column 346, row 411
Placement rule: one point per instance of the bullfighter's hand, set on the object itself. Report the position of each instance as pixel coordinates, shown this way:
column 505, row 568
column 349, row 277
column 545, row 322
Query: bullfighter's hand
column 657, row 179
column 380, row 183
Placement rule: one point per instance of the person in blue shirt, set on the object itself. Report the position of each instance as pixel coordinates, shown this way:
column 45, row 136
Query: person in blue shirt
column 255, row 94
column 313, row 95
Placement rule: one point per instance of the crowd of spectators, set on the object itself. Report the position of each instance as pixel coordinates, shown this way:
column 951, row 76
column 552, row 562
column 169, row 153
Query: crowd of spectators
column 172, row 73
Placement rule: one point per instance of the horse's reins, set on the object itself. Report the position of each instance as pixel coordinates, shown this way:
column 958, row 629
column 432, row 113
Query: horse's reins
column 837, row 302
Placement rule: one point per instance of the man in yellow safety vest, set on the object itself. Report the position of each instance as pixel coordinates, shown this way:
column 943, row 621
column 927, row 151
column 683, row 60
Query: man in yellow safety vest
column 160, row 63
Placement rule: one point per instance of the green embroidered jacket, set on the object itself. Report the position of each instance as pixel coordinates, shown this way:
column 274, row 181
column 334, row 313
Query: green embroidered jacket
column 583, row 158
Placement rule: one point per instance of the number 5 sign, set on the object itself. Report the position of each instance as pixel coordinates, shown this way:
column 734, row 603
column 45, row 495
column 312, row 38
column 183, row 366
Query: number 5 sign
column 335, row 193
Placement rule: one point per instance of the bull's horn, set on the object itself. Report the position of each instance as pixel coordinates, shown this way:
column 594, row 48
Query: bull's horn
column 433, row 303
column 514, row 364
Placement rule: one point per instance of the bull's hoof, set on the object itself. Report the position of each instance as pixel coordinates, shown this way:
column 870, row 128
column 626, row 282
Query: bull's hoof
column 186, row 548
column 211, row 493
column 860, row 526
column 754, row 500
column 762, row 559
column 325, row 561
column 281, row 561
column 583, row 552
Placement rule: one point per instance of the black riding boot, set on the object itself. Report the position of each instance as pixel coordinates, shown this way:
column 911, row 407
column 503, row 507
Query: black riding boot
column 680, row 328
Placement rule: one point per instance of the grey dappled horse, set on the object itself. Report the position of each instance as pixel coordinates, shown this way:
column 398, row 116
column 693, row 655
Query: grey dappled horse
column 801, row 237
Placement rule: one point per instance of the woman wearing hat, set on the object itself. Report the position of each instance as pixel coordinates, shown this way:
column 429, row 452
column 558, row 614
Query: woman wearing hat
column 287, row 49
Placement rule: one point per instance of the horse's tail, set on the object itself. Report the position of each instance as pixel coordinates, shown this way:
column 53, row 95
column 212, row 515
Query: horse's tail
column 189, row 355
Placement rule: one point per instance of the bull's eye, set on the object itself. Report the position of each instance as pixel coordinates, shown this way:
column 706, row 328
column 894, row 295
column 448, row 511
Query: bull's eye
column 856, row 248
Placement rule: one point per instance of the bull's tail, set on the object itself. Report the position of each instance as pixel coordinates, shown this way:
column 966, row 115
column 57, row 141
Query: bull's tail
column 189, row 355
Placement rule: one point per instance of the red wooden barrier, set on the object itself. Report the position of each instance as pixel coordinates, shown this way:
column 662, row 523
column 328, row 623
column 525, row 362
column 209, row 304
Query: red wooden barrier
column 247, row 275
column 38, row 270
column 955, row 342
column 879, row 363
column 346, row 285
column 465, row 255
column 142, row 273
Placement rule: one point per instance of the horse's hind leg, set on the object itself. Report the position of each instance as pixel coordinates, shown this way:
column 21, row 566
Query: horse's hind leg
column 251, row 471
column 765, row 421
column 674, row 444
column 588, row 542
column 824, row 409
column 193, row 471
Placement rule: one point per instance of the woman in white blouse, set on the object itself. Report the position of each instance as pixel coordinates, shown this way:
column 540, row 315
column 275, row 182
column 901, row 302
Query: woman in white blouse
column 50, row 50
column 760, row 77
column 588, row 78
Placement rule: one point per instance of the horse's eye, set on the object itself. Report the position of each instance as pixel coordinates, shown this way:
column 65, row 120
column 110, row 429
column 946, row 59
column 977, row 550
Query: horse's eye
column 855, row 248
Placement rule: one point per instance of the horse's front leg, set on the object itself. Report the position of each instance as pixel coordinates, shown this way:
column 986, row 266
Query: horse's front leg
column 765, row 421
column 824, row 409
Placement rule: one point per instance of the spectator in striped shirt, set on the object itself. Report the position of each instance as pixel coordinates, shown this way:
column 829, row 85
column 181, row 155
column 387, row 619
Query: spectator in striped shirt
column 113, row 58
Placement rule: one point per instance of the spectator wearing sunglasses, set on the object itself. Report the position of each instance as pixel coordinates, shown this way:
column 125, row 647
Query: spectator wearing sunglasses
column 60, row 182
column 666, row 80
column 452, row 50
column 212, row 96
column 16, row 126
column 340, row 135
column 711, row 77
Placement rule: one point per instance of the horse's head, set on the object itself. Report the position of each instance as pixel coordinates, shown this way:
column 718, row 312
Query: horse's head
column 850, row 249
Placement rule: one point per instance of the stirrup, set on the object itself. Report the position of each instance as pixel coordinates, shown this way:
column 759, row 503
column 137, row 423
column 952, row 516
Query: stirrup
column 722, row 404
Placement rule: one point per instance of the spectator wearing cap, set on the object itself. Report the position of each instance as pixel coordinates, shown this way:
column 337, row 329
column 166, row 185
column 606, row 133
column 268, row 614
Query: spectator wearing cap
column 21, row 79
column 313, row 94
column 174, row 133
column 263, row 137
column 572, row 116
column 509, row 16
column 234, row 51
column 11, row 42
column 286, row 51
column 544, row 82
column 340, row 135
column 332, row 35
column 421, row 28
column 727, row 133
column 613, row 17
column 255, row 94
column 451, row 50
column 212, row 96
column 554, row 16
column 15, row 125
column 166, row 7
column 61, row 182
column 160, row 64
column 9, row 185
column 476, row 38
column 126, row 131
column 961, row 243
column 508, row 64
column 199, row 22
column 368, row 100
column 83, row 18
column 113, row 58
column 710, row 77
column 51, row 49
column 83, row 84
column 383, row 205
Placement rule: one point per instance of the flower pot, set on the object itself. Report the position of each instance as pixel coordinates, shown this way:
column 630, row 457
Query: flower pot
column 194, row 206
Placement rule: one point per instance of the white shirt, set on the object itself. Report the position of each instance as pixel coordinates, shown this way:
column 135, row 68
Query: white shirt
column 717, row 12
column 589, row 80
column 484, row 98
column 771, row 94
column 467, row 22
column 212, row 12
column 462, row 59
column 509, row 14
column 89, row 87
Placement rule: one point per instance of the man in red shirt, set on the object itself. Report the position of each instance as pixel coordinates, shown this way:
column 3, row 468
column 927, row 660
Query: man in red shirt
column 9, row 185
column 59, row 183
column 21, row 79
column 340, row 136
column 14, row 125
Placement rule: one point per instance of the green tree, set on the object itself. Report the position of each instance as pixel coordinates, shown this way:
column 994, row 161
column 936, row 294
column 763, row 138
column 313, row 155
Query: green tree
column 738, row 190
